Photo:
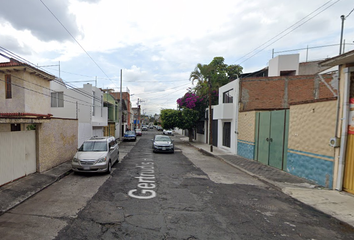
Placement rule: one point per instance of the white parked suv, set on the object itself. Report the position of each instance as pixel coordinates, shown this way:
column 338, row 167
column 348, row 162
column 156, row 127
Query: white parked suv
column 98, row 154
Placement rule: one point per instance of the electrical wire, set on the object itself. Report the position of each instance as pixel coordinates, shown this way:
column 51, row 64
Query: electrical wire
column 75, row 39
column 41, row 93
column 10, row 55
column 291, row 29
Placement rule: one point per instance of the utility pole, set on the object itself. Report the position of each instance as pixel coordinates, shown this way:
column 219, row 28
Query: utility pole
column 120, row 107
column 210, row 119
column 341, row 35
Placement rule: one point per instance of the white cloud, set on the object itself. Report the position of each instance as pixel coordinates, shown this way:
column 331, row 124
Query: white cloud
column 158, row 44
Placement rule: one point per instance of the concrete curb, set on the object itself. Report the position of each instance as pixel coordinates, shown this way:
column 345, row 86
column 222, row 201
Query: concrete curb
column 19, row 191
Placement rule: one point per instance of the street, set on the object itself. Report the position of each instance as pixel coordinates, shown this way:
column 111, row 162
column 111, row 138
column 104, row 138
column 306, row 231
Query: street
column 184, row 195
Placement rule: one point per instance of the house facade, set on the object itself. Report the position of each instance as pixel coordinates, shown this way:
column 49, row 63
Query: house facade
column 285, row 120
column 113, row 114
column 343, row 133
column 29, row 134
column 136, row 117
column 225, row 118
column 84, row 104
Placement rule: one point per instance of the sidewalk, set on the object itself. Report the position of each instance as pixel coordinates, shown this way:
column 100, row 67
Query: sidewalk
column 14, row 193
column 339, row 205
column 18, row 191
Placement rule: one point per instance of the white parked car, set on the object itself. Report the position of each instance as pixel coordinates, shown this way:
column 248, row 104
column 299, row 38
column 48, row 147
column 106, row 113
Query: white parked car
column 167, row 132
column 98, row 154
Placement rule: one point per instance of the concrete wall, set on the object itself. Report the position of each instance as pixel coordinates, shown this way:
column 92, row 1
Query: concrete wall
column 71, row 98
column 30, row 94
column 57, row 142
column 246, row 134
column 85, row 132
column 309, row 154
column 283, row 63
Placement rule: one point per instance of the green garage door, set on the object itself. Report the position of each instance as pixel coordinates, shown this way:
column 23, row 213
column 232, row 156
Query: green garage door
column 272, row 129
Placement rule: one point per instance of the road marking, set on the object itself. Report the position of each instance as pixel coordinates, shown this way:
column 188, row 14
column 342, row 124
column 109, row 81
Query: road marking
column 145, row 187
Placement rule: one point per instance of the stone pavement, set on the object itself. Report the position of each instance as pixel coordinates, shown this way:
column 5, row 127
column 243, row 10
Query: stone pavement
column 339, row 205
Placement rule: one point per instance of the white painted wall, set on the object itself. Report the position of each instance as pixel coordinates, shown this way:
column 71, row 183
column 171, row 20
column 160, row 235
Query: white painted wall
column 283, row 63
column 228, row 112
column 78, row 103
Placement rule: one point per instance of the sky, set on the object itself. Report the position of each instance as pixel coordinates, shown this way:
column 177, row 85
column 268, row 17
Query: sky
column 156, row 44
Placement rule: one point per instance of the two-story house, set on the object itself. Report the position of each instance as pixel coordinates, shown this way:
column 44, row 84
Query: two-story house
column 84, row 104
column 29, row 135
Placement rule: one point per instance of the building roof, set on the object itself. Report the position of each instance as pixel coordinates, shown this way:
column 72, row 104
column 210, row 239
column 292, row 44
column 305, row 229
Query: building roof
column 347, row 57
column 15, row 66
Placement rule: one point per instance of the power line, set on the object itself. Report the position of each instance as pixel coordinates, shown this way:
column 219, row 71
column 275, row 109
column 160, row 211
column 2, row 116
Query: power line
column 350, row 13
column 75, row 40
column 278, row 36
column 47, row 95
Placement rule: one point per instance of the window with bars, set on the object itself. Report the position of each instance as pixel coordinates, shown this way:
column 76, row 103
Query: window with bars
column 57, row 99
column 227, row 97
column 8, row 87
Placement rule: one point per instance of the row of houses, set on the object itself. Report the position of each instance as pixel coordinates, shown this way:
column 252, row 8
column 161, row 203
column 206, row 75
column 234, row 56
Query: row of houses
column 39, row 112
column 297, row 117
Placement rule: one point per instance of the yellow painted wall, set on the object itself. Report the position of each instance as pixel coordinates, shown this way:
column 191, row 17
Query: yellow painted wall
column 57, row 142
column 311, row 126
column 246, row 126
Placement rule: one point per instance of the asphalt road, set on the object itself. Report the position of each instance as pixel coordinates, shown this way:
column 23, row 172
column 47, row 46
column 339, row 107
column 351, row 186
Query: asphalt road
column 185, row 195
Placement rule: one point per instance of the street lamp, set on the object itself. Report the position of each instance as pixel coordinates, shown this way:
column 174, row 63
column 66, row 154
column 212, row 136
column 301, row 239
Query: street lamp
column 341, row 35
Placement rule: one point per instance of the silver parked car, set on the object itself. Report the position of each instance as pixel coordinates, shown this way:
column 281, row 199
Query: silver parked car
column 98, row 154
column 162, row 143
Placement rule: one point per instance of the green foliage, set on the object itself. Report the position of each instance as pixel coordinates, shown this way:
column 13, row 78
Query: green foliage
column 214, row 75
column 170, row 118
column 31, row 127
column 189, row 118
column 184, row 118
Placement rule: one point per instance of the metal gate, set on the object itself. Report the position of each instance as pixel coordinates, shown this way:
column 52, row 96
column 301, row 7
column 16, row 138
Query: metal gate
column 271, row 137
column 17, row 155
column 215, row 132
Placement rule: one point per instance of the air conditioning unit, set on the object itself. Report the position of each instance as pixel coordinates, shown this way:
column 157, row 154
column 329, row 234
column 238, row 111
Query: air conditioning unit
column 334, row 142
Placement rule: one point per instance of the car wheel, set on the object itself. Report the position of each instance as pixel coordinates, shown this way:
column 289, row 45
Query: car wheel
column 109, row 168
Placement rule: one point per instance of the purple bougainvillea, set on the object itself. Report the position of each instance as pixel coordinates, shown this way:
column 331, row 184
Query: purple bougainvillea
column 190, row 100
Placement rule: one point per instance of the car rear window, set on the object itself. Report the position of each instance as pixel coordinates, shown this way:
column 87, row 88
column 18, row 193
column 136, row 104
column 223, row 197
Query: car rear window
column 93, row 146
column 162, row 138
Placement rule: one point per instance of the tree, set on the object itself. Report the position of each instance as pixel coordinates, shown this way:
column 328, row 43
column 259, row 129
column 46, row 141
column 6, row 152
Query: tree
column 170, row 118
column 188, row 120
column 210, row 77
column 213, row 75
column 187, row 116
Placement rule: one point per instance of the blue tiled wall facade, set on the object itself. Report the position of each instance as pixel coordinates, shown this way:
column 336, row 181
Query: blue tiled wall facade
column 245, row 149
column 315, row 167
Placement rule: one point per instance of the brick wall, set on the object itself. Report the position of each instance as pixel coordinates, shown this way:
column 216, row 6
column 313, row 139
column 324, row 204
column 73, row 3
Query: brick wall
column 279, row 92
